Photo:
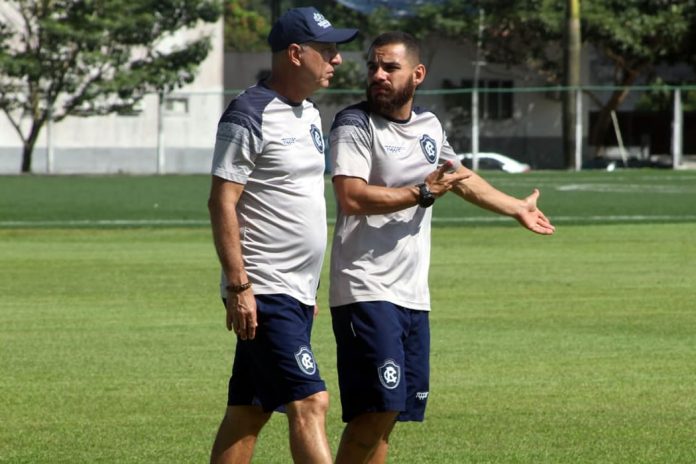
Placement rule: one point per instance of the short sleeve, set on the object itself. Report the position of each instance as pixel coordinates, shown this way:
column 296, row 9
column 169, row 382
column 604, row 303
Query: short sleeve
column 350, row 143
column 448, row 154
column 237, row 144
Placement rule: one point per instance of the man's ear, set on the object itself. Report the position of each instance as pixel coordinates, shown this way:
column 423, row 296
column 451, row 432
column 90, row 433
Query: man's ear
column 419, row 74
column 294, row 51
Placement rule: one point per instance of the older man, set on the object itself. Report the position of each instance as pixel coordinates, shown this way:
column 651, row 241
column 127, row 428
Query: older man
column 269, row 226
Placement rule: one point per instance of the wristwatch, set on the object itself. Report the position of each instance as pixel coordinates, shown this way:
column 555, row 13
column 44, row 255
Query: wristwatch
column 425, row 196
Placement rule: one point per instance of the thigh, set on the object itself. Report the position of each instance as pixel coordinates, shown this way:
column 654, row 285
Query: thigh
column 417, row 362
column 370, row 357
column 278, row 366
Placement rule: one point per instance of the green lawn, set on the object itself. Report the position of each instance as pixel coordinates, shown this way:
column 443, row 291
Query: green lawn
column 574, row 348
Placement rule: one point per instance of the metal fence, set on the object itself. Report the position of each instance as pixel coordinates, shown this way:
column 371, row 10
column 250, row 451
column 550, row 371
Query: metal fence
column 653, row 126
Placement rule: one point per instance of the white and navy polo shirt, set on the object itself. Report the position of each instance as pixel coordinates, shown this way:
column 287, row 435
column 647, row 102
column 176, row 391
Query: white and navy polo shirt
column 384, row 256
column 276, row 149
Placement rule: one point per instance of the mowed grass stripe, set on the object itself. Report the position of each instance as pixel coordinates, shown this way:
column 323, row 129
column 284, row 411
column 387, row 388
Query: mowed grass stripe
column 114, row 201
column 109, row 223
column 572, row 348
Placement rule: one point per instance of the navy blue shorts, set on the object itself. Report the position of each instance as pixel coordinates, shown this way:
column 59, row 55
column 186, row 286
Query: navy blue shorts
column 278, row 365
column 383, row 357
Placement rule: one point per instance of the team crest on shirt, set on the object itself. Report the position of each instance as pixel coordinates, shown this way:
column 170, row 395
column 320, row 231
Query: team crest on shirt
column 317, row 138
column 389, row 374
column 305, row 360
column 429, row 147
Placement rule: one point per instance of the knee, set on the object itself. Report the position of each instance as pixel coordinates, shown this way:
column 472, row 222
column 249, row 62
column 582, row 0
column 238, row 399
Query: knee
column 250, row 418
column 371, row 427
column 314, row 406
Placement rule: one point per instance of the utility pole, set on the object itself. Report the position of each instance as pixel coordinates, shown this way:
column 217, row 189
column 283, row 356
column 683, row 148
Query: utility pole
column 572, row 83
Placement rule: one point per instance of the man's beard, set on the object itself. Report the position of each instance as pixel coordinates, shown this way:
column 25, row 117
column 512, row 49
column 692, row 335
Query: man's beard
column 387, row 103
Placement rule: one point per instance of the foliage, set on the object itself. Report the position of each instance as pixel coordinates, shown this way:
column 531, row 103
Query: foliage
column 635, row 36
column 248, row 22
column 349, row 75
column 662, row 99
column 339, row 15
column 347, row 83
column 63, row 58
column 632, row 36
column 246, row 25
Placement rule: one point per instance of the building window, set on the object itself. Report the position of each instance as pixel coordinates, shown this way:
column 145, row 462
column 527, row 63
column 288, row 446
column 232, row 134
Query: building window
column 495, row 98
column 176, row 105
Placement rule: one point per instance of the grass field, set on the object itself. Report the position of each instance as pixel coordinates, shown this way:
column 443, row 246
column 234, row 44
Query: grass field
column 576, row 348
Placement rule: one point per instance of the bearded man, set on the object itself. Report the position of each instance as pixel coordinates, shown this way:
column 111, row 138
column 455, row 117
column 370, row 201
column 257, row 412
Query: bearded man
column 385, row 155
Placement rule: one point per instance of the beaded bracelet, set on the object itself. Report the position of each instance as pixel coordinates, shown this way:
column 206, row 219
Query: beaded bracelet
column 238, row 288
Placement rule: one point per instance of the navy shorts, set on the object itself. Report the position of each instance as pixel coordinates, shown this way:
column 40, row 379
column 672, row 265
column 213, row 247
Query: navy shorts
column 383, row 357
column 278, row 365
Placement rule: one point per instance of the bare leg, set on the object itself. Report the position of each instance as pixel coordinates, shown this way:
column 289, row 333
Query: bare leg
column 366, row 438
column 236, row 437
column 307, row 423
column 380, row 454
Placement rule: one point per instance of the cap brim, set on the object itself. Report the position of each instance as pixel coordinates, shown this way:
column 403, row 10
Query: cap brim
column 337, row 36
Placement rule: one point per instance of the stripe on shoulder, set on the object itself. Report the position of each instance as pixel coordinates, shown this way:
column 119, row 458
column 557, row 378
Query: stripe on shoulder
column 420, row 110
column 356, row 115
column 246, row 110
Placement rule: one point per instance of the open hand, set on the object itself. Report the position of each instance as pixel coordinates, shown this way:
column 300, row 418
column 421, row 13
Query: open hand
column 532, row 218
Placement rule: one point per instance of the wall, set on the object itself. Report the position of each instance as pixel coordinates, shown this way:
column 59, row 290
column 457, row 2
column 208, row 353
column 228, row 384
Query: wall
column 128, row 144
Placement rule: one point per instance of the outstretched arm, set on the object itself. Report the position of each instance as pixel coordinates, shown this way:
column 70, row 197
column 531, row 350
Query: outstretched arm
column 479, row 192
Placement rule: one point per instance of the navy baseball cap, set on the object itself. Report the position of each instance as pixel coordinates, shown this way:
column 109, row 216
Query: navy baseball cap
column 300, row 25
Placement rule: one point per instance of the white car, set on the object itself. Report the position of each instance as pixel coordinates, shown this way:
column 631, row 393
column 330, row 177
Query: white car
column 494, row 161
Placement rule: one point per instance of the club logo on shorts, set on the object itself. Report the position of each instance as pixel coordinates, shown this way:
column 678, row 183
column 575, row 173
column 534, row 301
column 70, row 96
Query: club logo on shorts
column 317, row 138
column 305, row 360
column 389, row 374
column 429, row 148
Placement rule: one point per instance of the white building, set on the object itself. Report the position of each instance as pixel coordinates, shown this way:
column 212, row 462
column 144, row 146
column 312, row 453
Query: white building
column 526, row 125
column 131, row 144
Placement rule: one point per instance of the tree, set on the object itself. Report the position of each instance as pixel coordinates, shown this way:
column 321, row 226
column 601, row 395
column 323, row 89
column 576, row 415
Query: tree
column 61, row 58
column 634, row 36
column 247, row 25
column 248, row 22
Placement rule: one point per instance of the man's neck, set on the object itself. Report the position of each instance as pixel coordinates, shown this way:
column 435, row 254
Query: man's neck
column 401, row 114
column 288, row 89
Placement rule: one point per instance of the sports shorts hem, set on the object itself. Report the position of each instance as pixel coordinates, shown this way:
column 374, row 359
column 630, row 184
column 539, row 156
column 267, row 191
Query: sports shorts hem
column 300, row 393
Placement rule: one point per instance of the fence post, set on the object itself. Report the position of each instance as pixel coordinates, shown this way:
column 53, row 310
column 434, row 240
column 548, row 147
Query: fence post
column 677, row 129
column 49, row 140
column 578, row 129
column 475, row 97
column 160, row 133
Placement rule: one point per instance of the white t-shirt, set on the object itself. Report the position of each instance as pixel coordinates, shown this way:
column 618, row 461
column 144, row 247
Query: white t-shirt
column 276, row 149
column 384, row 257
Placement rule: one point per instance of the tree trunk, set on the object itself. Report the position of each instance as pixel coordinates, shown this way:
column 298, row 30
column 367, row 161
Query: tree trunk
column 26, row 158
column 28, row 148
column 600, row 128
